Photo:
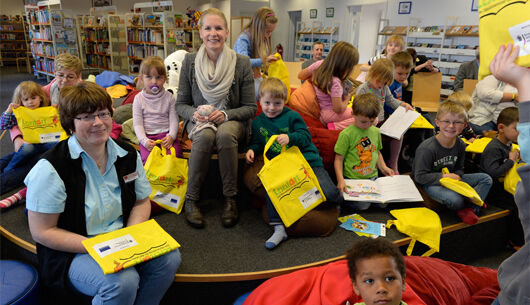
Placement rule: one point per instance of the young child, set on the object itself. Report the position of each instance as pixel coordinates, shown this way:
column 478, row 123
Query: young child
column 292, row 131
column 402, row 64
column 394, row 44
column 465, row 100
column 358, row 147
column 30, row 95
column 497, row 159
column 154, row 115
column 377, row 271
column 447, row 150
column 328, row 77
column 67, row 69
column 379, row 77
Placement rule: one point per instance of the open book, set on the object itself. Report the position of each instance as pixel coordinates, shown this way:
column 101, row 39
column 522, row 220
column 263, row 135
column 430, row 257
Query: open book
column 399, row 122
column 397, row 188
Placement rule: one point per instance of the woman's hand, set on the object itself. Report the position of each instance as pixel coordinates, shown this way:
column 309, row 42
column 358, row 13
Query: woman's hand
column 199, row 118
column 250, row 156
column 150, row 144
column 452, row 176
column 271, row 58
column 283, row 139
column 217, row 117
column 167, row 142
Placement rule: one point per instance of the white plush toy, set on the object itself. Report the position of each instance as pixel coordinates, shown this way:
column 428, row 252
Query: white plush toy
column 173, row 64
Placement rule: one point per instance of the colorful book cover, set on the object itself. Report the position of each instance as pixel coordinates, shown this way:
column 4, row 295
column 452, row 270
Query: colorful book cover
column 361, row 226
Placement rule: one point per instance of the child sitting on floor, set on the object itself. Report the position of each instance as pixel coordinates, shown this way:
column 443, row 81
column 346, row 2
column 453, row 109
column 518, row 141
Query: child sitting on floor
column 329, row 80
column 357, row 151
column 447, row 150
column 497, row 159
column 292, row 131
column 377, row 271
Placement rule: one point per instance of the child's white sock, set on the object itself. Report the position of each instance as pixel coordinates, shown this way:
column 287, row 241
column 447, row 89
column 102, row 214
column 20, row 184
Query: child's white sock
column 277, row 237
column 7, row 202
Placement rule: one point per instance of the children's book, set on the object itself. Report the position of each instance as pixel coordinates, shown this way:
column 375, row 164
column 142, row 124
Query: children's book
column 399, row 122
column 397, row 188
column 361, row 226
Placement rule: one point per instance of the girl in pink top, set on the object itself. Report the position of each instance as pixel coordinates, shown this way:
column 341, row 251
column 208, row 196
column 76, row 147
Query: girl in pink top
column 328, row 77
column 154, row 115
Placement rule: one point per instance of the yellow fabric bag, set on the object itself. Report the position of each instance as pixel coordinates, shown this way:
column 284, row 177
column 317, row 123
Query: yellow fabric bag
column 129, row 246
column 117, row 91
column 422, row 122
column 503, row 22
column 39, row 125
column 168, row 176
column 279, row 70
column 512, row 178
column 478, row 145
column 461, row 188
column 421, row 224
column 290, row 183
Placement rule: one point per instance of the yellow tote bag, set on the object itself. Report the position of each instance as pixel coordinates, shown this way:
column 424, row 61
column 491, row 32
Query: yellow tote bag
column 512, row 178
column 290, row 183
column 478, row 145
column 129, row 246
column 421, row 224
column 278, row 69
column 461, row 188
column 422, row 122
column 168, row 176
column 503, row 22
column 40, row 125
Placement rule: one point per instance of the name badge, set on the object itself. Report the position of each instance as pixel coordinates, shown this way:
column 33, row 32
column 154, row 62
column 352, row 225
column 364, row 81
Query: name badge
column 130, row 177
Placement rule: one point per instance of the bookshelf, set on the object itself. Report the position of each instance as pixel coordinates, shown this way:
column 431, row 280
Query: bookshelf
column 447, row 45
column 154, row 34
column 307, row 35
column 104, row 42
column 13, row 40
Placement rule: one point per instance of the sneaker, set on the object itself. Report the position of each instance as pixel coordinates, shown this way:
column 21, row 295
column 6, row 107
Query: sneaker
column 468, row 216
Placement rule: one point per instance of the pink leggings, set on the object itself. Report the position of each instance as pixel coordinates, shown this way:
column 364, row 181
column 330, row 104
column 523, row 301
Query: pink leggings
column 333, row 120
column 144, row 153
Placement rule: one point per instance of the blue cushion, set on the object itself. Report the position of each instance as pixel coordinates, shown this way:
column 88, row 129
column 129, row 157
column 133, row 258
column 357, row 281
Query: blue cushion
column 18, row 283
column 242, row 299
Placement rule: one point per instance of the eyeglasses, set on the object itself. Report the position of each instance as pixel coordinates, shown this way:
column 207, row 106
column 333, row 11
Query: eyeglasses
column 455, row 123
column 68, row 77
column 89, row 118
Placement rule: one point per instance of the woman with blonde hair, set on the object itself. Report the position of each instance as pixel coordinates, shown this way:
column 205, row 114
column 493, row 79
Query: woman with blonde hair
column 218, row 77
column 255, row 41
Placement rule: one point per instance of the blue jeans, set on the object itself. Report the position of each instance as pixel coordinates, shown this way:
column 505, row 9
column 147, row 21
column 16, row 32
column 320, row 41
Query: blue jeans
column 27, row 151
column 9, row 180
column 481, row 182
column 329, row 189
column 479, row 129
column 145, row 283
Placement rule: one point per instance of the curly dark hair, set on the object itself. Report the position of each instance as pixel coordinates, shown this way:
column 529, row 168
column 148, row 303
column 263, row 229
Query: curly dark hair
column 367, row 247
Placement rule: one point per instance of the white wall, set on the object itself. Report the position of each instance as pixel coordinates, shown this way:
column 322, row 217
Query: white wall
column 433, row 12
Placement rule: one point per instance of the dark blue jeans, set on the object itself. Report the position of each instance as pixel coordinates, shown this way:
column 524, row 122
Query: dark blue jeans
column 329, row 189
column 9, row 180
column 26, row 151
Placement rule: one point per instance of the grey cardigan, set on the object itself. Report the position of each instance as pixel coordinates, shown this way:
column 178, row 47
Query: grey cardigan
column 242, row 104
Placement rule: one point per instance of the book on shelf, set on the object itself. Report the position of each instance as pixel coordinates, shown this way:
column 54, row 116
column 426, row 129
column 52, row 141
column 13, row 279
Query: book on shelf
column 399, row 122
column 397, row 188
column 361, row 226
column 400, row 30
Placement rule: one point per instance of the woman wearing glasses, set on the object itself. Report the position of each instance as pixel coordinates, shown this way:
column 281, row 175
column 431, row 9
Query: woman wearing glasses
column 87, row 185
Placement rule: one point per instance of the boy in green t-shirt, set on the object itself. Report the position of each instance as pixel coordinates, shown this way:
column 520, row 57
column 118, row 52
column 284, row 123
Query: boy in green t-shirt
column 358, row 147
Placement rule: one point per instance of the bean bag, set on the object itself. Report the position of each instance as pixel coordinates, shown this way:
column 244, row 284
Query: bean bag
column 304, row 100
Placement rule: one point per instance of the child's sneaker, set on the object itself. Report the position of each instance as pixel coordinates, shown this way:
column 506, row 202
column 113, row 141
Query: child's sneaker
column 468, row 216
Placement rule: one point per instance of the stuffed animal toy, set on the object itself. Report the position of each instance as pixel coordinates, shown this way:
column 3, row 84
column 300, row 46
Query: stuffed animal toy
column 173, row 64
column 204, row 110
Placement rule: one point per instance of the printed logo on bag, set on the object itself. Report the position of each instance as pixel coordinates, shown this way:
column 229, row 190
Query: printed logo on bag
column 138, row 258
column 165, row 180
column 39, row 123
column 293, row 183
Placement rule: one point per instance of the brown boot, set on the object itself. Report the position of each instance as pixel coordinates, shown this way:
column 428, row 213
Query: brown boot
column 229, row 216
column 193, row 214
